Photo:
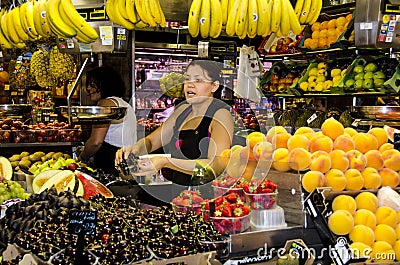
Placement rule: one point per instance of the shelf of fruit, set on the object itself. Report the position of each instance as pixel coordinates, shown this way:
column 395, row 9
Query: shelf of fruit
column 364, row 75
column 14, row 131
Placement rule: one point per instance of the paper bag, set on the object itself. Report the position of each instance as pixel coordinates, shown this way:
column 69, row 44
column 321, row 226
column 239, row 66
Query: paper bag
column 249, row 74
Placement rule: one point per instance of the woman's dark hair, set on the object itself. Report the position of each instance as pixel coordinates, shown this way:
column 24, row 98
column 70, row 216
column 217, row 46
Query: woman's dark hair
column 107, row 81
column 213, row 70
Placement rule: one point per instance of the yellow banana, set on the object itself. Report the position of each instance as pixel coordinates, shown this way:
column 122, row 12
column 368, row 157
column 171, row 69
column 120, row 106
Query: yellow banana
column 253, row 18
column 83, row 38
column 305, row 11
column 194, row 18
column 29, row 18
column 130, row 11
column 121, row 8
column 315, row 11
column 216, row 18
column 298, row 7
column 57, row 22
column 294, row 21
column 120, row 20
column 224, row 11
column 3, row 26
column 37, row 20
column 43, row 18
column 141, row 25
column 230, row 6
column 155, row 11
column 18, row 25
column 12, row 32
column 285, row 20
column 205, row 16
column 231, row 22
column 276, row 15
column 80, row 24
column 246, row 24
column 140, row 6
column 264, row 18
column 24, row 22
column 149, row 15
column 241, row 18
column 4, row 42
column 163, row 22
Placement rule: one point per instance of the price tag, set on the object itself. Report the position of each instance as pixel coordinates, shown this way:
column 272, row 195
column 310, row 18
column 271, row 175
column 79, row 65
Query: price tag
column 82, row 222
column 313, row 117
column 356, row 122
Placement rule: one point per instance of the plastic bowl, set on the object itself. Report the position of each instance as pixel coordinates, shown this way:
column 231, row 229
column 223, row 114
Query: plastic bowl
column 261, row 201
column 196, row 208
column 221, row 247
column 231, row 225
column 221, row 191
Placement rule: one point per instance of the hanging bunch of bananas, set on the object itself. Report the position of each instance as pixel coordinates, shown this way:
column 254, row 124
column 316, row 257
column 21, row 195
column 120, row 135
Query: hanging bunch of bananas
column 62, row 65
column 242, row 18
column 11, row 32
column 21, row 76
column 132, row 14
column 65, row 22
column 206, row 18
column 307, row 11
column 172, row 84
column 40, row 68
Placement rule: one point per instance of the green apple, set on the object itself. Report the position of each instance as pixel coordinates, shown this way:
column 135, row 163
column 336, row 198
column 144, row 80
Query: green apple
column 368, row 75
column 358, row 69
column 359, row 76
column 379, row 75
column 371, row 67
column 349, row 83
column 368, row 84
column 378, row 82
column 358, row 84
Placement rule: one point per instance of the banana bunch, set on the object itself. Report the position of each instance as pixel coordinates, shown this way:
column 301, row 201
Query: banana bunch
column 61, row 65
column 172, row 84
column 242, row 18
column 11, row 33
column 307, row 11
column 206, row 18
column 64, row 21
column 132, row 14
column 40, row 68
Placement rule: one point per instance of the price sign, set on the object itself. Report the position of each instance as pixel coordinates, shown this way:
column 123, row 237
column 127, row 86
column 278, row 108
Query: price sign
column 82, row 222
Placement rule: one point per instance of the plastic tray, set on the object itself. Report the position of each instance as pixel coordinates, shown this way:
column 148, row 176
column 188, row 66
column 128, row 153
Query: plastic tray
column 271, row 218
column 231, row 225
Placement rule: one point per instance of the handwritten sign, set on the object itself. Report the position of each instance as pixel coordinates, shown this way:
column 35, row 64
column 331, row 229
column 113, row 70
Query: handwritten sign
column 82, row 222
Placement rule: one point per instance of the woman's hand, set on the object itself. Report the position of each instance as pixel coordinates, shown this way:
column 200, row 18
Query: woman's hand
column 150, row 166
column 123, row 153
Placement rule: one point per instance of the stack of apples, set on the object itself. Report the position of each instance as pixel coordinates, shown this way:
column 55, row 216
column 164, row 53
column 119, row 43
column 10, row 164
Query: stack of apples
column 366, row 78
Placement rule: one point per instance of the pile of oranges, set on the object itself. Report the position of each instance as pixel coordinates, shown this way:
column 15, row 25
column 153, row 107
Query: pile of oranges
column 327, row 32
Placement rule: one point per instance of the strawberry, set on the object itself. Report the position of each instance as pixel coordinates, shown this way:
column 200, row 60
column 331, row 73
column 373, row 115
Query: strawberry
column 226, row 211
column 232, row 197
column 196, row 198
column 238, row 212
column 237, row 225
column 219, row 200
column 245, row 210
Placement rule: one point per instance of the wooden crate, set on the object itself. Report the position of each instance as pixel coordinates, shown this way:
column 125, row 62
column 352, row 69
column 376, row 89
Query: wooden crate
column 290, row 196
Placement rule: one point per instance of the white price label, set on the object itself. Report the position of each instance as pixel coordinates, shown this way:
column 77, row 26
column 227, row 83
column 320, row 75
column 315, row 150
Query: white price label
column 313, row 117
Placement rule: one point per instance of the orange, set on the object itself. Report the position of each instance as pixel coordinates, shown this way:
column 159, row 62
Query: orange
column 332, row 24
column 324, row 25
column 315, row 34
column 316, row 26
column 341, row 21
column 323, row 33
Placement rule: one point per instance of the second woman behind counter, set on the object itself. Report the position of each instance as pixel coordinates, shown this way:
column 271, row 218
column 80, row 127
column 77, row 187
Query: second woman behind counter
column 200, row 128
column 105, row 87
